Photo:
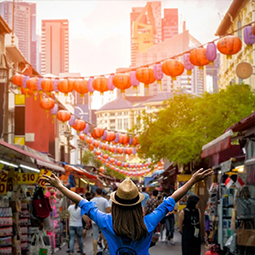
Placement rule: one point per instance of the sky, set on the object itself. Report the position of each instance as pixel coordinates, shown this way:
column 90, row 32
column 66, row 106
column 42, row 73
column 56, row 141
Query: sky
column 99, row 31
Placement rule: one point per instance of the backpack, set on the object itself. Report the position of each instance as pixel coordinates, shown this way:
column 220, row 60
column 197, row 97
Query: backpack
column 125, row 247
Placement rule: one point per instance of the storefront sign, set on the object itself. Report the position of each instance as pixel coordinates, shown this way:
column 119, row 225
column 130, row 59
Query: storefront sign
column 11, row 181
column 27, row 178
column 41, row 180
column 3, row 182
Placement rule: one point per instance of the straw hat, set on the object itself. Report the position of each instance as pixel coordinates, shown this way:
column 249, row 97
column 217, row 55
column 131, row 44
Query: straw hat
column 127, row 194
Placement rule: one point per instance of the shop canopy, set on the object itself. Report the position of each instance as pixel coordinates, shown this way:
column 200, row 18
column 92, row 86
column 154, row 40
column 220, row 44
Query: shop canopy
column 78, row 172
column 217, row 145
column 25, row 156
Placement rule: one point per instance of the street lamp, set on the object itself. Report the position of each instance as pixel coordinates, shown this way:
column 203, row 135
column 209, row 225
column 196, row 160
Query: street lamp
column 4, row 83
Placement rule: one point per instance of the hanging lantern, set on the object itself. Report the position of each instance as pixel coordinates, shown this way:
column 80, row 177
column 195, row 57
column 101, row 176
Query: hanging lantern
column 26, row 91
column 211, row 52
column 136, row 140
column 82, row 136
column 128, row 151
column 39, row 87
column 120, row 150
column 47, row 85
column 249, row 37
column 146, row 76
column 17, row 79
column 63, row 115
column 100, row 84
column 79, row 125
column 47, row 104
column 133, row 80
column 99, row 132
column 110, row 85
column 253, row 29
column 104, row 146
column 32, row 84
column 90, row 86
column 89, row 140
column 86, row 130
column 55, row 86
column 25, row 79
column 158, row 73
column 65, row 86
column 229, row 45
column 72, row 120
column 173, row 68
column 123, row 138
column 198, row 57
column 96, row 143
column 81, row 86
column 101, row 169
column 54, row 111
column 187, row 64
column 122, row 82
column 112, row 149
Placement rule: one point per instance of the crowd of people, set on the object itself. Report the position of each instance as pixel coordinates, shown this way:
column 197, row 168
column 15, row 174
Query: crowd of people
column 149, row 215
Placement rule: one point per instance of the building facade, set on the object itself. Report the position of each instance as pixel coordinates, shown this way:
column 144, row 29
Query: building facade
column 55, row 47
column 238, row 14
column 24, row 27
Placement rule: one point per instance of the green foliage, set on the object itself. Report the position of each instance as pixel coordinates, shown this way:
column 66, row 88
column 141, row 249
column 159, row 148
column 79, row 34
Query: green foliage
column 180, row 129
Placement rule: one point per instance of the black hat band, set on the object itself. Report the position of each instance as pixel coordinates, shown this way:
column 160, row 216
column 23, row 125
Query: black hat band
column 126, row 201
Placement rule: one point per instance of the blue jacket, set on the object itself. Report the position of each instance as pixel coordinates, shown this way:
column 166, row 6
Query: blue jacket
column 104, row 221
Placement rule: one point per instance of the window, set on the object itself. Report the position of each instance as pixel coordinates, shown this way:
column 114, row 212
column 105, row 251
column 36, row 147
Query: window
column 125, row 123
column 112, row 121
column 112, row 114
column 119, row 123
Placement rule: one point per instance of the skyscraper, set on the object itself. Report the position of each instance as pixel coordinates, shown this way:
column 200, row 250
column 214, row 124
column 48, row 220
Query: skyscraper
column 55, row 47
column 24, row 27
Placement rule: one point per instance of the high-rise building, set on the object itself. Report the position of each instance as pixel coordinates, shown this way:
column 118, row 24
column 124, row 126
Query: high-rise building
column 147, row 27
column 24, row 27
column 55, row 46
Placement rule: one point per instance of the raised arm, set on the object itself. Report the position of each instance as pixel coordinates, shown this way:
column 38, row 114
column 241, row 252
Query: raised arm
column 55, row 182
column 196, row 177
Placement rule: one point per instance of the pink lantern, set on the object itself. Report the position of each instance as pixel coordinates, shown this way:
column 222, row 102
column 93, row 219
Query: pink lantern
column 55, row 85
column 133, row 80
column 158, row 73
column 187, row 64
column 110, row 85
column 249, row 37
column 72, row 120
column 211, row 51
column 90, row 87
column 54, row 111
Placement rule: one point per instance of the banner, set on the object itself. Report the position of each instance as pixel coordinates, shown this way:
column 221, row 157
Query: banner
column 3, row 181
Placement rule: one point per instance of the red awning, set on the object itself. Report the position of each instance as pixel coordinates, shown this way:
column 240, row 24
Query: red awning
column 79, row 172
column 217, row 145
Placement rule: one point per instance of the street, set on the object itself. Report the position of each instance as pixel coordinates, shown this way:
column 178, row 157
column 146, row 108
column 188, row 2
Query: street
column 159, row 249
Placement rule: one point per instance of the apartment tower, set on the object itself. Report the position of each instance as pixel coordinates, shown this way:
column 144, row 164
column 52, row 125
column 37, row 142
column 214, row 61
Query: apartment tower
column 55, row 47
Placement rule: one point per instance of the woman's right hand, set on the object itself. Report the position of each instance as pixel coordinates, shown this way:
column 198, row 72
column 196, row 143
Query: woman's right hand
column 201, row 174
column 53, row 180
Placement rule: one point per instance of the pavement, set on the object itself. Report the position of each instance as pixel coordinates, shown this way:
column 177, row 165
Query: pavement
column 160, row 248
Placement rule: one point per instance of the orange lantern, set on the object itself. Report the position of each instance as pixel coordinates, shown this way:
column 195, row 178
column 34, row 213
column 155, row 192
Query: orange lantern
column 104, row 146
column 47, row 104
column 96, row 143
column 89, row 140
column 112, row 160
column 110, row 136
column 47, row 85
column 136, row 140
column 146, row 76
column 81, row 86
column 119, row 163
column 65, row 86
column 79, row 125
column 197, row 57
column 101, row 169
column 17, row 79
column 63, row 115
column 105, row 156
column 91, row 147
column 112, row 149
column 100, row 84
column 26, row 91
column 229, row 45
column 98, row 153
column 173, row 68
column 82, row 137
column 98, row 132
column 123, row 138
column 120, row 150
column 32, row 84
column 121, row 81
column 128, row 151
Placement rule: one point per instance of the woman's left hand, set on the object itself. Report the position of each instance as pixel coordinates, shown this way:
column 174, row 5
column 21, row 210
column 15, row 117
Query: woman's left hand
column 53, row 180
column 201, row 174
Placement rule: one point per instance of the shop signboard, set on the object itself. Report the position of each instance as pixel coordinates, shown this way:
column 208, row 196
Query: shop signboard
column 3, row 182
column 41, row 180
column 27, row 178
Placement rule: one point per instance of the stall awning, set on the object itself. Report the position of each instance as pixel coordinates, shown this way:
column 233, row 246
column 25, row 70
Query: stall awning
column 217, row 145
column 79, row 172
column 10, row 150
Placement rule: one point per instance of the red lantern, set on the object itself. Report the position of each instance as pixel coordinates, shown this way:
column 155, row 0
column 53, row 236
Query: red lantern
column 96, row 143
column 81, row 86
column 79, row 125
column 17, row 79
column 65, row 86
column 120, row 150
column 136, row 140
column 47, row 85
column 128, row 151
column 119, row 163
column 108, row 164
column 112, row 160
column 104, row 146
column 89, row 140
column 112, row 149
column 47, row 104
column 63, row 115
column 122, row 82
column 110, row 136
column 26, row 91
column 91, row 147
column 105, row 156
column 97, row 153
column 173, row 68
column 229, row 45
column 123, row 138
column 101, row 169
column 82, row 137
column 145, row 75
column 98, row 132
column 197, row 57
column 32, row 84
column 100, row 84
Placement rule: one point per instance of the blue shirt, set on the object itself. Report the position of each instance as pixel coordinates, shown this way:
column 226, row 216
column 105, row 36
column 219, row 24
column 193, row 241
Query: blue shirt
column 104, row 222
column 146, row 197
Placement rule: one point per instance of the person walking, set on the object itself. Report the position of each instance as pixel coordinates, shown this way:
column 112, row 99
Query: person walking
column 126, row 224
column 169, row 224
column 189, row 224
column 75, row 228
column 103, row 205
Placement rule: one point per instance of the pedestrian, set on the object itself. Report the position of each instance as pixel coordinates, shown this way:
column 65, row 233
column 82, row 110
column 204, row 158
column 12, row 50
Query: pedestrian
column 75, row 228
column 169, row 224
column 103, row 206
column 126, row 223
column 207, row 228
column 189, row 224
column 146, row 197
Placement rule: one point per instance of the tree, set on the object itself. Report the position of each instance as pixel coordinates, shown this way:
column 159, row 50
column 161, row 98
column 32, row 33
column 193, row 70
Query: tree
column 180, row 129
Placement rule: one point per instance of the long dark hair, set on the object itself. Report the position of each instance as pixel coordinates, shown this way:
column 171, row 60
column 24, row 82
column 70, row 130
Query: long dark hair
column 192, row 202
column 128, row 221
